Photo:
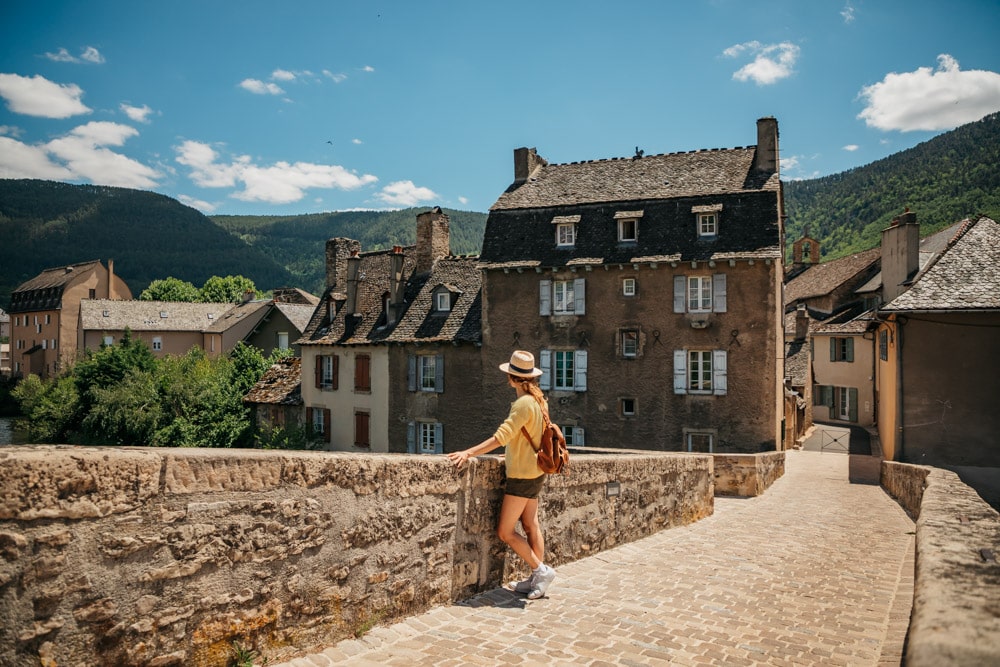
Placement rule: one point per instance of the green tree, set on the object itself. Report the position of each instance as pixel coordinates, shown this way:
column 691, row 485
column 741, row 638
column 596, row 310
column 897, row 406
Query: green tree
column 126, row 413
column 226, row 290
column 49, row 407
column 170, row 289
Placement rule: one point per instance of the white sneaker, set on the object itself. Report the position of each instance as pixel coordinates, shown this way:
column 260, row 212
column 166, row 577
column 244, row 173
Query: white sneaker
column 541, row 583
column 525, row 586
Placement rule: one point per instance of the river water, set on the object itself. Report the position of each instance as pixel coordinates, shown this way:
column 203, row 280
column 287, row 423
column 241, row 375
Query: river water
column 6, row 431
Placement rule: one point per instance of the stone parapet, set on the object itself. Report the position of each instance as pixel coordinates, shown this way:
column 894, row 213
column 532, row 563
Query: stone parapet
column 747, row 474
column 955, row 618
column 141, row 556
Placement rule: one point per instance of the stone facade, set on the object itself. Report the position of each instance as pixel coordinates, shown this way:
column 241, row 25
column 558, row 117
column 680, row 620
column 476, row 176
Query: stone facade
column 747, row 474
column 165, row 557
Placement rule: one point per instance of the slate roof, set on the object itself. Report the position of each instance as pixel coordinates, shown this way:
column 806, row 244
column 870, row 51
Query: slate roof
column 855, row 326
column 44, row 291
column 281, row 384
column 930, row 247
column 149, row 315
column 965, row 276
column 823, row 278
column 242, row 312
column 797, row 362
column 667, row 189
column 421, row 323
column 298, row 314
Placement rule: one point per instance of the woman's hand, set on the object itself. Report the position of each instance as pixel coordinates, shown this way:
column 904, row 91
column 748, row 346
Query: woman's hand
column 459, row 458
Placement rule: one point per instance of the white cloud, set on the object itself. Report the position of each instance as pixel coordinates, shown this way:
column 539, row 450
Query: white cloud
column 848, row 13
column 83, row 154
column 137, row 114
column 89, row 54
column 356, row 142
column 335, row 77
column 37, row 96
column 280, row 183
column 771, row 63
column 405, row 193
column 282, row 75
column 463, row 200
column 930, row 100
column 789, row 162
column 367, row 68
column 11, row 131
column 259, row 87
column 850, row 148
column 203, row 206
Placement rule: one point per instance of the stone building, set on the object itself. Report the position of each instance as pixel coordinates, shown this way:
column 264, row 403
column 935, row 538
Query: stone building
column 649, row 289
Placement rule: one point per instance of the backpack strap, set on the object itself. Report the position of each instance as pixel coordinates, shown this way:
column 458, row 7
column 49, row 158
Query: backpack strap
column 530, row 441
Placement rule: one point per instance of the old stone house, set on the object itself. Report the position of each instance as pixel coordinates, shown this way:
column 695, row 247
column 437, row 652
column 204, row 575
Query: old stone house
column 391, row 357
column 45, row 314
column 267, row 324
column 276, row 399
column 166, row 327
column 649, row 289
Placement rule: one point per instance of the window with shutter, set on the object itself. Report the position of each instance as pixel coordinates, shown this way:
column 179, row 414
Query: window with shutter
column 362, row 372
column 544, row 297
column 362, row 435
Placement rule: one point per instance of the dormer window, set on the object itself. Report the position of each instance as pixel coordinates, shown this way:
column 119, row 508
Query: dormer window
column 707, row 219
column 565, row 230
column 442, row 301
column 443, row 297
column 628, row 226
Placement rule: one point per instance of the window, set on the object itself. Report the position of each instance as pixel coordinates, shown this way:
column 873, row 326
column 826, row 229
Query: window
column 628, row 230
column 45, row 344
column 157, row 343
column 574, row 436
column 48, row 318
column 562, row 297
column 109, row 340
column 362, row 436
column 442, row 301
column 52, row 343
column 563, row 370
column 883, row 345
column 93, row 294
column 327, row 367
column 842, row 349
column 626, row 407
column 283, row 340
column 700, row 294
column 630, row 343
column 708, row 224
column 38, row 327
column 700, row 442
column 362, row 372
column 628, row 287
column 425, row 372
column 842, row 402
column 565, row 229
column 701, row 372
column 318, row 420
column 425, row 438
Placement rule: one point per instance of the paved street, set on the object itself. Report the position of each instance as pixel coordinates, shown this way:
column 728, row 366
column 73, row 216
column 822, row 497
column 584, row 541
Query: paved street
column 816, row 571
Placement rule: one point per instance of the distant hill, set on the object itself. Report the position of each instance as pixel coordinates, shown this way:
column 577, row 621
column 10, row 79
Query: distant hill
column 151, row 236
column 298, row 242
column 950, row 177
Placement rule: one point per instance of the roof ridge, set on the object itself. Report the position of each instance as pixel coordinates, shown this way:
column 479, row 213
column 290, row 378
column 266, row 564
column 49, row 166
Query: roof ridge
column 644, row 157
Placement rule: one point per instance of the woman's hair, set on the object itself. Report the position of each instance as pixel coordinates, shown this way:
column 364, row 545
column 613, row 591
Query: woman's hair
column 530, row 386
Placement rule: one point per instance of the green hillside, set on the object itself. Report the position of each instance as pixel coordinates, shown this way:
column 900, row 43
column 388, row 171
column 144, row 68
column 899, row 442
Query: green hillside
column 946, row 179
column 298, row 242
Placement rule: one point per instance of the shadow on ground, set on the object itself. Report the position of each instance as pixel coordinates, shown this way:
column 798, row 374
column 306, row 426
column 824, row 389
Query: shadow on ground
column 855, row 442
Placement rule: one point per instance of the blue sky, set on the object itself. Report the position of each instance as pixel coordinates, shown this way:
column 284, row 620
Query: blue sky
column 303, row 106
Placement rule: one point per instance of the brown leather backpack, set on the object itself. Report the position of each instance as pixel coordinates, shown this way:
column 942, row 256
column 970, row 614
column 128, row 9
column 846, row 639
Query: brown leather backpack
column 551, row 453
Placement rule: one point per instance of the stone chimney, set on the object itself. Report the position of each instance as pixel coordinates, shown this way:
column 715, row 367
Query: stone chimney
column 111, row 279
column 900, row 255
column 395, row 284
column 432, row 239
column 337, row 252
column 248, row 296
column 353, row 264
column 766, row 157
column 526, row 160
column 801, row 322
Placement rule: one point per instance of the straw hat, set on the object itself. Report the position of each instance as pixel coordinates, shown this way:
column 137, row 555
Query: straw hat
column 522, row 365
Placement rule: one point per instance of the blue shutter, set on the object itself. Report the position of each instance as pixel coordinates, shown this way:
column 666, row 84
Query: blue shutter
column 580, row 370
column 411, row 438
column 680, row 293
column 439, row 373
column 439, row 438
column 578, row 436
column 579, row 295
column 719, row 292
column 719, row 373
column 544, row 297
column 411, row 372
column 680, row 372
column 850, row 350
column 545, row 364
column 852, row 396
column 833, row 349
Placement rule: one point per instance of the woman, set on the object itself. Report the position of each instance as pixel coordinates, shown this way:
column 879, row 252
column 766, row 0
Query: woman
column 524, row 477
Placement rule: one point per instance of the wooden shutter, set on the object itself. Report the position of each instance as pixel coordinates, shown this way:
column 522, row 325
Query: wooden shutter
column 545, row 365
column 319, row 371
column 439, row 373
column 362, row 373
column 579, row 295
column 309, row 422
column 719, row 292
column 335, row 362
column 544, row 297
column 439, row 438
column 411, row 372
column 850, row 348
column 680, row 371
column 327, row 424
column 411, row 438
column 719, row 372
column 852, row 396
column 833, row 349
column 580, row 370
column 361, row 434
column 680, row 293
column 578, row 438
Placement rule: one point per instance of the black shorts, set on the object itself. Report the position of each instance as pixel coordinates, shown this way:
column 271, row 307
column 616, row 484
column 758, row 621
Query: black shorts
column 524, row 488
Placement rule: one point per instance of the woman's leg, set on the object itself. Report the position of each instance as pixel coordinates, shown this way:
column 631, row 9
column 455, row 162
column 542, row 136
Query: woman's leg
column 529, row 521
column 512, row 509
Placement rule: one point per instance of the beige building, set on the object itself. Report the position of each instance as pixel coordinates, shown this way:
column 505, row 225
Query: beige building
column 167, row 327
column 45, row 314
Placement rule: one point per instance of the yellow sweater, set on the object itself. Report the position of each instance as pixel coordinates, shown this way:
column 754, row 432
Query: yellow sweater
column 520, row 455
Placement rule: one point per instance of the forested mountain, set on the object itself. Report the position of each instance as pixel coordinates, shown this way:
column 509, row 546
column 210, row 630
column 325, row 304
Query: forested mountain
column 298, row 242
column 943, row 180
column 149, row 236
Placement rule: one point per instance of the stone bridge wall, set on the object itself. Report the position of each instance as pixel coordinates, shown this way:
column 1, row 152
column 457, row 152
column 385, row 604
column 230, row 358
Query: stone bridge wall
column 956, row 589
column 747, row 474
column 166, row 556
